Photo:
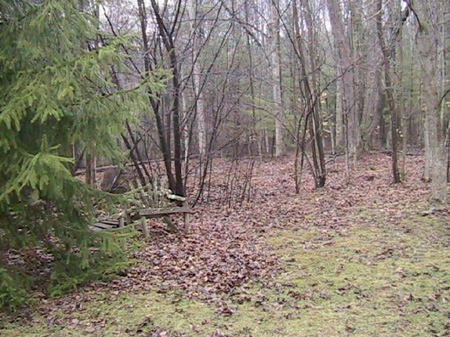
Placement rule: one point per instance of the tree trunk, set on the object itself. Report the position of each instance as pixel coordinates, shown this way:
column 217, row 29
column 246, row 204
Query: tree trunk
column 340, row 134
column 313, row 101
column 426, row 136
column 344, row 63
column 167, row 38
column 430, row 47
column 254, row 133
column 198, row 96
column 308, row 86
column 90, row 178
column 162, row 132
column 374, row 99
column 395, row 121
column 276, row 79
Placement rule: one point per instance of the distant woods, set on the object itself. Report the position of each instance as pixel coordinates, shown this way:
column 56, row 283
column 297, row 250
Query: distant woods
column 257, row 79
column 264, row 78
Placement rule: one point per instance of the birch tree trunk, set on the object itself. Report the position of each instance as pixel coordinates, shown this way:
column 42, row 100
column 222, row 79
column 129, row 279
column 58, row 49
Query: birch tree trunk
column 426, row 140
column 340, row 134
column 276, row 79
column 198, row 96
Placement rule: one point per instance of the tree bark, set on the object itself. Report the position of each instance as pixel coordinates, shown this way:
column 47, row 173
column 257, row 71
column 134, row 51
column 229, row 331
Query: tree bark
column 374, row 98
column 165, row 149
column 308, row 86
column 198, row 95
column 395, row 120
column 430, row 48
column 344, row 63
column 276, row 79
column 340, row 134
column 167, row 38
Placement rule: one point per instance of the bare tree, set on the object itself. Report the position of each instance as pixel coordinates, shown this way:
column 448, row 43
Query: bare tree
column 345, row 67
column 276, row 78
column 195, row 26
column 256, row 76
column 389, row 51
column 431, row 48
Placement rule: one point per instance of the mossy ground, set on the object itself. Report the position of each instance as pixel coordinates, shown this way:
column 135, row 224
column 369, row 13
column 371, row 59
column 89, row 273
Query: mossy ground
column 370, row 259
column 376, row 278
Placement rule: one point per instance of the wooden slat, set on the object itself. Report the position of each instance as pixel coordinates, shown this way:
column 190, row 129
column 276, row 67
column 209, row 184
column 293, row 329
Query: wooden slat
column 155, row 212
column 110, row 222
column 102, row 225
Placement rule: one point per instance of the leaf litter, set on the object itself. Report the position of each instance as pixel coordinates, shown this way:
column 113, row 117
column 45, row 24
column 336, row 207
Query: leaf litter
column 241, row 255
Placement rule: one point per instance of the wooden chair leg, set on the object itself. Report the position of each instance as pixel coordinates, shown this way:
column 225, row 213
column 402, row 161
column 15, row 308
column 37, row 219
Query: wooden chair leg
column 145, row 228
column 170, row 226
column 186, row 223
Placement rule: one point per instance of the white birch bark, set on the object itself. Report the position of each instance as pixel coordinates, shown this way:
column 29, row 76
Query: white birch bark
column 196, row 79
column 339, row 115
column 276, row 79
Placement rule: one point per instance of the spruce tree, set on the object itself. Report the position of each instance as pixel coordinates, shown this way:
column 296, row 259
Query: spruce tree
column 56, row 91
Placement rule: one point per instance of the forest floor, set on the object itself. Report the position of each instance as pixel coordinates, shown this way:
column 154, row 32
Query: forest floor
column 365, row 259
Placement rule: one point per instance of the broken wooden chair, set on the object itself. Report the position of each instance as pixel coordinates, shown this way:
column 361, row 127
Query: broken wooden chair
column 160, row 202
column 150, row 201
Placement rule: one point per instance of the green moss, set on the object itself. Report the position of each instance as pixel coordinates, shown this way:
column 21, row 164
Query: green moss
column 378, row 276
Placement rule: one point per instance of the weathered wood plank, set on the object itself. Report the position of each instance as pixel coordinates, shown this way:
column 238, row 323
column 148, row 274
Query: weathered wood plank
column 102, row 225
column 144, row 214
column 157, row 212
column 110, row 222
